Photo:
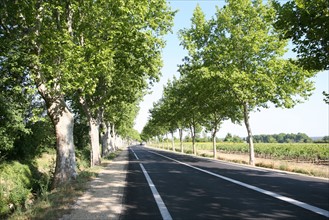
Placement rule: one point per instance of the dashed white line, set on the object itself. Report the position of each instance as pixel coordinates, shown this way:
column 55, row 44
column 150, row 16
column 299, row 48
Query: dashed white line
column 162, row 207
column 134, row 153
column 266, row 192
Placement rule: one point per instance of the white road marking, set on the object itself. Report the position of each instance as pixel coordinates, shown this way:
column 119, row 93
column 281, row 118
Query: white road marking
column 266, row 192
column 134, row 153
column 162, row 207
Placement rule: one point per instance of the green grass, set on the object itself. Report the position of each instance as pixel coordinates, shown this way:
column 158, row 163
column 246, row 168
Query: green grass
column 54, row 204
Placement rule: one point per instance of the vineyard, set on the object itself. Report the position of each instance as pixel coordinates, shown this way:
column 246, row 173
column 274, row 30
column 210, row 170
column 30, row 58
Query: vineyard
column 298, row 152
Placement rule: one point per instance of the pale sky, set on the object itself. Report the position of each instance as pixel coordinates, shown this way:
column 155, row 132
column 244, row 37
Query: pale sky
column 310, row 117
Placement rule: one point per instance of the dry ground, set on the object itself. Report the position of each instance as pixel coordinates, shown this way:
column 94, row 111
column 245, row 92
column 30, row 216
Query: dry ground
column 300, row 167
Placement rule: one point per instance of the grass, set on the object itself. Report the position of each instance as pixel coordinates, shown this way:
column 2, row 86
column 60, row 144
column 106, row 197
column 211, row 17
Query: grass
column 58, row 202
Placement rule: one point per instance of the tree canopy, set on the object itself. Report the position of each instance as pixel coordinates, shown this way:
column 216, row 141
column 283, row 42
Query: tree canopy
column 305, row 23
column 101, row 54
column 235, row 65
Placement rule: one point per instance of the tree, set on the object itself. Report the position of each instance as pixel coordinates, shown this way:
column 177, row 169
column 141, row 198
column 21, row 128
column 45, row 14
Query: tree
column 15, row 103
column 304, row 23
column 325, row 139
column 68, row 48
column 120, row 58
column 36, row 37
column 174, row 95
column 214, row 99
column 326, row 97
column 228, row 137
column 240, row 47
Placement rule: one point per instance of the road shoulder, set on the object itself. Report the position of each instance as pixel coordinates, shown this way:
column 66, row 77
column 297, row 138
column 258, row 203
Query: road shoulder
column 104, row 197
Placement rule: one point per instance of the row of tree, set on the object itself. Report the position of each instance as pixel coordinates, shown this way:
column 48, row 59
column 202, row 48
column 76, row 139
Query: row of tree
column 283, row 138
column 261, row 138
column 235, row 65
column 83, row 58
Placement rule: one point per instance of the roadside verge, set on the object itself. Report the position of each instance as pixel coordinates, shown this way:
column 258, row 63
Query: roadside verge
column 104, row 197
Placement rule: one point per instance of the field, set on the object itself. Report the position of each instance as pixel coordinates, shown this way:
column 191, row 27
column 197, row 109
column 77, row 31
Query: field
column 307, row 158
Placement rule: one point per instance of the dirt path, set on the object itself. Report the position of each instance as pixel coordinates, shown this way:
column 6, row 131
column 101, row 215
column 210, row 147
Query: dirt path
column 104, row 197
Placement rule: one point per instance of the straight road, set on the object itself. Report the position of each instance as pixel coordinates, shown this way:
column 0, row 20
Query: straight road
column 164, row 185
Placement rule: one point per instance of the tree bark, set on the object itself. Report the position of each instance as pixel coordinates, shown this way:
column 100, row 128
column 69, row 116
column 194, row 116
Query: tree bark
column 63, row 121
column 106, row 139
column 93, row 133
column 192, row 128
column 104, row 136
column 114, row 146
column 250, row 138
column 214, row 143
column 181, row 139
column 173, row 141
column 94, row 140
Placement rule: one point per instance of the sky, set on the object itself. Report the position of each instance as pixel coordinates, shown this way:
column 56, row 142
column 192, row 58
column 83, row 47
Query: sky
column 310, row 117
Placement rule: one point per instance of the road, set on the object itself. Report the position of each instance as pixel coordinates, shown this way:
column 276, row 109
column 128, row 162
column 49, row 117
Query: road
column 165, row 185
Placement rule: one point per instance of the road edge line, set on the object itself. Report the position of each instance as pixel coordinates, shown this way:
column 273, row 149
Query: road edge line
column 162, row 207
column 304, row 205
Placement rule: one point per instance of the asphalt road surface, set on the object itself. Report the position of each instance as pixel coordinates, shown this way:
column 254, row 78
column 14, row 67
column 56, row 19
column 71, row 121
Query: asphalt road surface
column 164, row 185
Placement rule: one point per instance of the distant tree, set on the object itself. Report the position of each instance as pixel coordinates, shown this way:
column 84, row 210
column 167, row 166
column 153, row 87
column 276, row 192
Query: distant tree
column 228, row 138
column 280, row 138
column 302, row 138
column 325, row 139
column 271, row 139
column 237, row 139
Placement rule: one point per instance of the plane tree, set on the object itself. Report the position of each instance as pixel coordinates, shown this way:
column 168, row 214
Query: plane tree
column 68, row 47
column 213, row 98
column 304, row 23
column 154, row 127
column 175, row 110
column 217, row 108
column 15, row 102
column 36, row 37
column 132, row 44
column 240, row 47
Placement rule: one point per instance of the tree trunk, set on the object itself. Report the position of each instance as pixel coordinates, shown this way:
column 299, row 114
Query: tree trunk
column 250, row 138
column 214, row 143
column 192, row 128
column 181, row 140
column 114, row 145
column 93, row 132
column 60, row 115
column 106, row 140
column 63, row 122
column 94, row 140
column 104, row 136
column 173, row 141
